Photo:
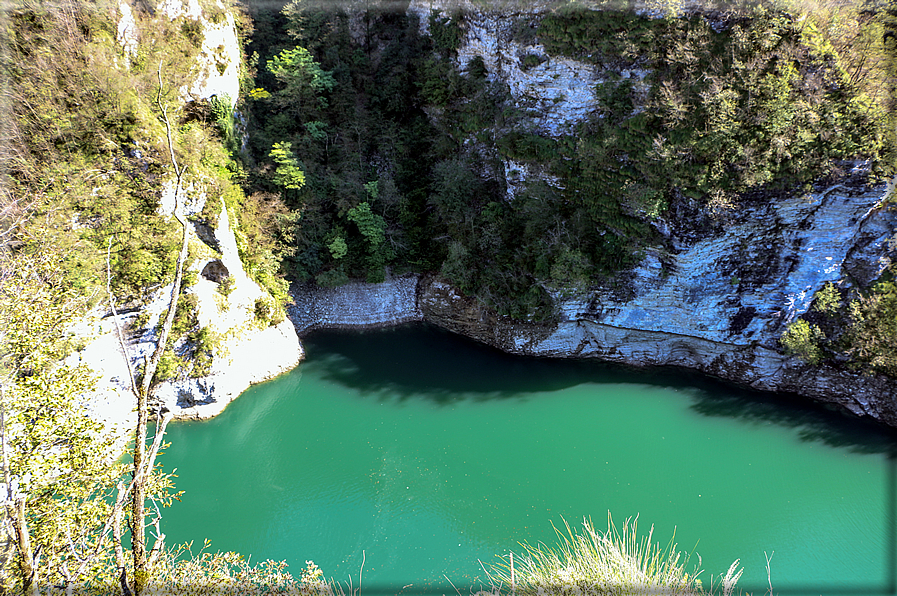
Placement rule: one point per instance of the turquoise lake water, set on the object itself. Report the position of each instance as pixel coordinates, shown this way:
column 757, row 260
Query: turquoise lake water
column 430, row 455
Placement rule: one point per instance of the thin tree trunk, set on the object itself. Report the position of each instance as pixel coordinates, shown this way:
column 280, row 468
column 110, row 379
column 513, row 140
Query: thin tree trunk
column 116, row 542
column 15, row 511
column 8, row 527
column 138, row 539
column 30, row 586
column 138, row 514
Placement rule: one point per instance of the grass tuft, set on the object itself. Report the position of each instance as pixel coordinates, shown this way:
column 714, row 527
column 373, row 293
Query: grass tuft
column 589, row 562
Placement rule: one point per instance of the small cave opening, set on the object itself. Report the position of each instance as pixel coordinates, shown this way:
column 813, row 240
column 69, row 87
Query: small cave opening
column 215, row 271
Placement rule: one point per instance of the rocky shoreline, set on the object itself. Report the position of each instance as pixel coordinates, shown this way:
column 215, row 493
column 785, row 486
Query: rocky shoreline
column 751, row 365
column 413, row 298
column 432, row 300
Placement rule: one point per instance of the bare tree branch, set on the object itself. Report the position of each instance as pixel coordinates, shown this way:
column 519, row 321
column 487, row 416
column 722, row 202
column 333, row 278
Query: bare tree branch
column 141, row 469
column 121, row 339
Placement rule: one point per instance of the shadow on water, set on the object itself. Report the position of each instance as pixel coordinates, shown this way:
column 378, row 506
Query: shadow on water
column 812, row 422
column 420, row 361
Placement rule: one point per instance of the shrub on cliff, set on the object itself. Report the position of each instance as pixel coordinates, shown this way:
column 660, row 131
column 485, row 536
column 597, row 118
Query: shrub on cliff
column 802, row 339
column 872, row 335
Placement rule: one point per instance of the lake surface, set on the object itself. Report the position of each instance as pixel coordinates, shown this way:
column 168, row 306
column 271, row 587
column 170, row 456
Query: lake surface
column 425, row 453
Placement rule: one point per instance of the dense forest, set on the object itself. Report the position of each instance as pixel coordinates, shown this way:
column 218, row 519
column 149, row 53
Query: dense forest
column 766, row 105
column 361, row 148
column 402, row 149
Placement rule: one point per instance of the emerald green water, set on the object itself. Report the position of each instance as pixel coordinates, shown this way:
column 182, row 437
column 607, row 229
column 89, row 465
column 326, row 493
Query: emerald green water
column 427, row 453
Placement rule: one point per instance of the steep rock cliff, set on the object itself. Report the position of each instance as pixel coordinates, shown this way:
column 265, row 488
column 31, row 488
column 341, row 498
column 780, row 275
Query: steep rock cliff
column 716, row 294
column 246, row 349
column 719, row 305
column 557, row 92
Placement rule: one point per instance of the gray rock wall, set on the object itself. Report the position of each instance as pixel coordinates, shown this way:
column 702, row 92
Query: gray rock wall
column 752, row 364
column 355, row 305
column 742, row 286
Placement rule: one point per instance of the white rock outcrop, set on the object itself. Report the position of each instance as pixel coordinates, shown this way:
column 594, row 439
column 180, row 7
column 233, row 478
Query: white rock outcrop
column 250, row 350
column 557, row 93
column 220, row 54
column 219, row 62
column 126, row 36
column 246, row 350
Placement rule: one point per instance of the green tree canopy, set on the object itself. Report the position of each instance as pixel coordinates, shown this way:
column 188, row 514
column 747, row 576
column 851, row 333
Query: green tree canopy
column 302, row 80
column 287, row 174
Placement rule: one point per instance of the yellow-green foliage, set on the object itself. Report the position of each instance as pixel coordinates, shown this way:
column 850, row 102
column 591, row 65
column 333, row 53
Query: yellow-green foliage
column 268, row 311
column 85, row 160
column 89, row 149
column 802, row 339
column 872, row 335
column 179, row 572
column 287, row 173
column 91, row 154
column 827, row 300
column 589, row 562
column 57, row 457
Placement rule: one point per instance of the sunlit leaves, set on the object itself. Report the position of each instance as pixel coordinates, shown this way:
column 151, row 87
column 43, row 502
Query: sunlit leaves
column 802, row 339
column 302, row 80
column 287, row 174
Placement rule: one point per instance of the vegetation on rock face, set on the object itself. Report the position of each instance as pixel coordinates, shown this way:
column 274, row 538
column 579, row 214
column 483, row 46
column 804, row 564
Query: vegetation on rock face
column 856, row 328
column 706, row 107
column 872, row 335
column 802, row 339
column 85, row 164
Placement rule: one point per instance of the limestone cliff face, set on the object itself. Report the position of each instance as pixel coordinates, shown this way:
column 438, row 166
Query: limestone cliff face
column 718, row 305
column 249, row 350
column 246, row 350
column 557, row 93
column 715, row 295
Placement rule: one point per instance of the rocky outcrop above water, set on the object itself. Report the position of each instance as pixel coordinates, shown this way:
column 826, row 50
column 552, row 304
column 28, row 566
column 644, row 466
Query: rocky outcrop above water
column 355, row 305
column 246, row 350
column 718, row 305
column 249, row 350
column 243, row 348
column 750, row 365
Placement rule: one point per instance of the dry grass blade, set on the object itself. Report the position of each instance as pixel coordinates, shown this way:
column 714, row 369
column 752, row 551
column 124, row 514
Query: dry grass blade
column 589, row 562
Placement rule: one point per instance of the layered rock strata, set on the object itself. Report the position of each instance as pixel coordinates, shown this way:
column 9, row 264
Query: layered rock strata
column 355, row 305
column 719, row 305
